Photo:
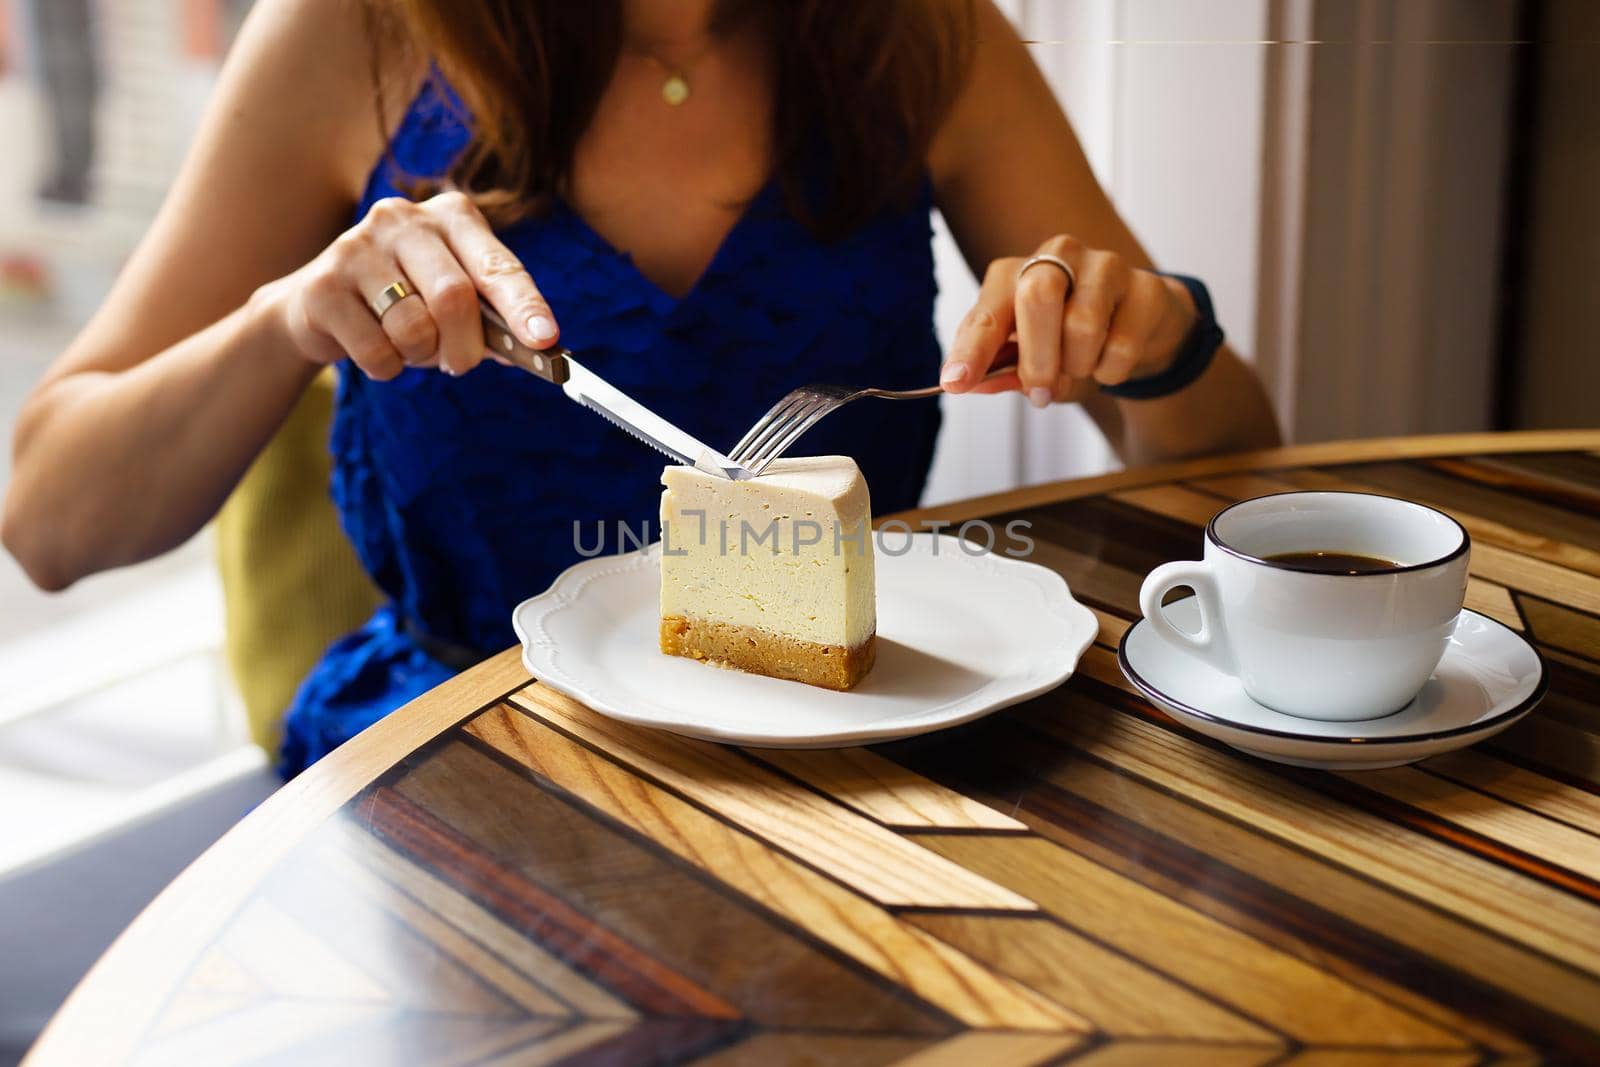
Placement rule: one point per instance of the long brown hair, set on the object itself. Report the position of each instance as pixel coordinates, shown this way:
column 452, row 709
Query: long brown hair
column 861, row 88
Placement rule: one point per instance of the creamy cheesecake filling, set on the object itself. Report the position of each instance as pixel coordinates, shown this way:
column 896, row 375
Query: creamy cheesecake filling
column 781, row 564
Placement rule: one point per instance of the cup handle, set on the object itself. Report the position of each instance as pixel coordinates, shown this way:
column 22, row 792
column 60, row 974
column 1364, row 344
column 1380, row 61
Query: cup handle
column 1211, row 642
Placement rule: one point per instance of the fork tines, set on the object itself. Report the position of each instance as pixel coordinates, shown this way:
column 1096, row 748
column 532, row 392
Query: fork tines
column 785, row 422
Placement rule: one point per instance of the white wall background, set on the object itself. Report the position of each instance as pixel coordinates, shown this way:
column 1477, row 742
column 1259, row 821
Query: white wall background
column 1333, row 169
column 1166, row 96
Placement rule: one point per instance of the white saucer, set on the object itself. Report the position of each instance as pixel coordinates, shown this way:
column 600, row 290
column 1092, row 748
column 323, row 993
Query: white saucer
column 1488, row 679
column 959, row 636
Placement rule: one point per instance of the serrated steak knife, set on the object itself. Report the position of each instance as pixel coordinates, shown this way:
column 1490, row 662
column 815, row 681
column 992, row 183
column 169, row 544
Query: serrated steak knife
column 558, row 365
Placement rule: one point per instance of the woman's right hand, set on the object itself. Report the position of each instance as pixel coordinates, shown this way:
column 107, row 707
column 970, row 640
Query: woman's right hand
column 446, row 254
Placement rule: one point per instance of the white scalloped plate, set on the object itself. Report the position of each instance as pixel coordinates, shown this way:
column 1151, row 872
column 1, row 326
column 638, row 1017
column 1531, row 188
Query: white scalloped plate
column 959, row 636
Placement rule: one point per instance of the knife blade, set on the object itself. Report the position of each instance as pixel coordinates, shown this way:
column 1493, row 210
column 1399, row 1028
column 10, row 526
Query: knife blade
column 597, row 394
column 558, row 365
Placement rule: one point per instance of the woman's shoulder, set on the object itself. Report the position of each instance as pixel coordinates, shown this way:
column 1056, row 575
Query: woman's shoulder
column 997, row 79
column 336, row 70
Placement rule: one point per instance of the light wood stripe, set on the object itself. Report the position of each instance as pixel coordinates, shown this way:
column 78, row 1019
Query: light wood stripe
column 1121, row 996
column 868, row 783
column 1557, row 627
column 1231, row 487
column 568, row 1043
column 1112, row 627
column 1555, row 479
column 995, row 1050
column 191, row 1009
column 1431, row 934
column 1515, row 827
column 1536, row 576
column 149, row 959
column 1145, row 1053
column 1101, row 664
column 269, row 1029
column 1278, row 989
column 850, row 923
column 1487, row 598
column 474, row 1053
column 1477, row 889
column 853, row 850
column 1548, row 797
column 1176, row 502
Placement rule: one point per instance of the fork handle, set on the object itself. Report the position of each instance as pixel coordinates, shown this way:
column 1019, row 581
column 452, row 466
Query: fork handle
column 549, row 364
column 935, row 390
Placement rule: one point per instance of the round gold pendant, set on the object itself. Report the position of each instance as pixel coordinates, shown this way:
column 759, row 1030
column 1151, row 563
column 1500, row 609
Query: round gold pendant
column 675, row 90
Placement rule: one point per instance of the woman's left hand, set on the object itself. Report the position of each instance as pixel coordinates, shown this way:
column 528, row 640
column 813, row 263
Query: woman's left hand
column 1116, row 323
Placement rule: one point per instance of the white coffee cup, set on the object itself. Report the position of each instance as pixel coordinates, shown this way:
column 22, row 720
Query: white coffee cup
column 1321, row 645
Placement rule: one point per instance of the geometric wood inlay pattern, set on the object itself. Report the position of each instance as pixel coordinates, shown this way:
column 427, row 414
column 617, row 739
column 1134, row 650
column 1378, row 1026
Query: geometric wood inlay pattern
column 497, row 875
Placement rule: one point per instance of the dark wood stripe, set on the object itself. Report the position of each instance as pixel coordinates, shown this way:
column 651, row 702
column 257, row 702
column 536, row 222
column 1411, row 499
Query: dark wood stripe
column 1352, row 792
column 717, row 935
column 1519, row 758
column 1117, row 534
column 1090, row 578
column 1574, row 468
column 1229, row 964
column 1010, row 754
column 1434, row 769
column 1443, row 830
column 1578, row 499
column 661, row 1041
column 592, row 949
column 1552, row 748
column 1502, row 506
column 1571, row 695
column 1558, row 626
column 811, row 1047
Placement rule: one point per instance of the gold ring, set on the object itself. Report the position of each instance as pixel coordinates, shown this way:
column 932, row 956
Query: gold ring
column 392, row 294
column 1054, row 261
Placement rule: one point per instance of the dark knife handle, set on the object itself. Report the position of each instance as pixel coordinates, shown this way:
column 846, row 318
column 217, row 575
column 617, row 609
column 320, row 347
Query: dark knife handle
column 549, row 363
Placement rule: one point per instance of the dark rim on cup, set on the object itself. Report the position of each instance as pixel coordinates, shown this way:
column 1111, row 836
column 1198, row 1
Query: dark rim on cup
column 1214, row 538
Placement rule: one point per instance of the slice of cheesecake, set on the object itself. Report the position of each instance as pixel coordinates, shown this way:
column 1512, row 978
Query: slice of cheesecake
column 772, row 575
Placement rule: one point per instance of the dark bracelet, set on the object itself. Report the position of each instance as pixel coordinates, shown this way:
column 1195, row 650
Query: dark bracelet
column 1193, row 357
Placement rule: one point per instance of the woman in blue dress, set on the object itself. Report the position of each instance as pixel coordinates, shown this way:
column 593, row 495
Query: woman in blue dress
column 712, row 200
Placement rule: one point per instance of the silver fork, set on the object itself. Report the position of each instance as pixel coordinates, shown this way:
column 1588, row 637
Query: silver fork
column 787, row 420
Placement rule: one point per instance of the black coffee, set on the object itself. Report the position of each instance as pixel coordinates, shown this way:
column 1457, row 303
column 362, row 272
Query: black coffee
column 1333, row 562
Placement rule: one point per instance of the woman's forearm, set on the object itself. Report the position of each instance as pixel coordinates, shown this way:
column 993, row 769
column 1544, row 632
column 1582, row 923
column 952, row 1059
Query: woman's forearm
column 113, row 467
column 1225, row 410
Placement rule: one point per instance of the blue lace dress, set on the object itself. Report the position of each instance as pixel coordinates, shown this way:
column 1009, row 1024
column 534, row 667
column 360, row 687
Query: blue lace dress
column 463, row 496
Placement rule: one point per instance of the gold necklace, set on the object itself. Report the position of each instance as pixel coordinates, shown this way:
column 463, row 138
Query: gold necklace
column 675, row 90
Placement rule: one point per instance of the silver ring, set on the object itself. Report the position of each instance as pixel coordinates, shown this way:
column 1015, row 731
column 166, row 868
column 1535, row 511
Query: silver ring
column 392, row 294
column 1054, row 261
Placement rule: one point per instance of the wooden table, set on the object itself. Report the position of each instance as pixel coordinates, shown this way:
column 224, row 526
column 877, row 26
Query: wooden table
column 495, row 874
